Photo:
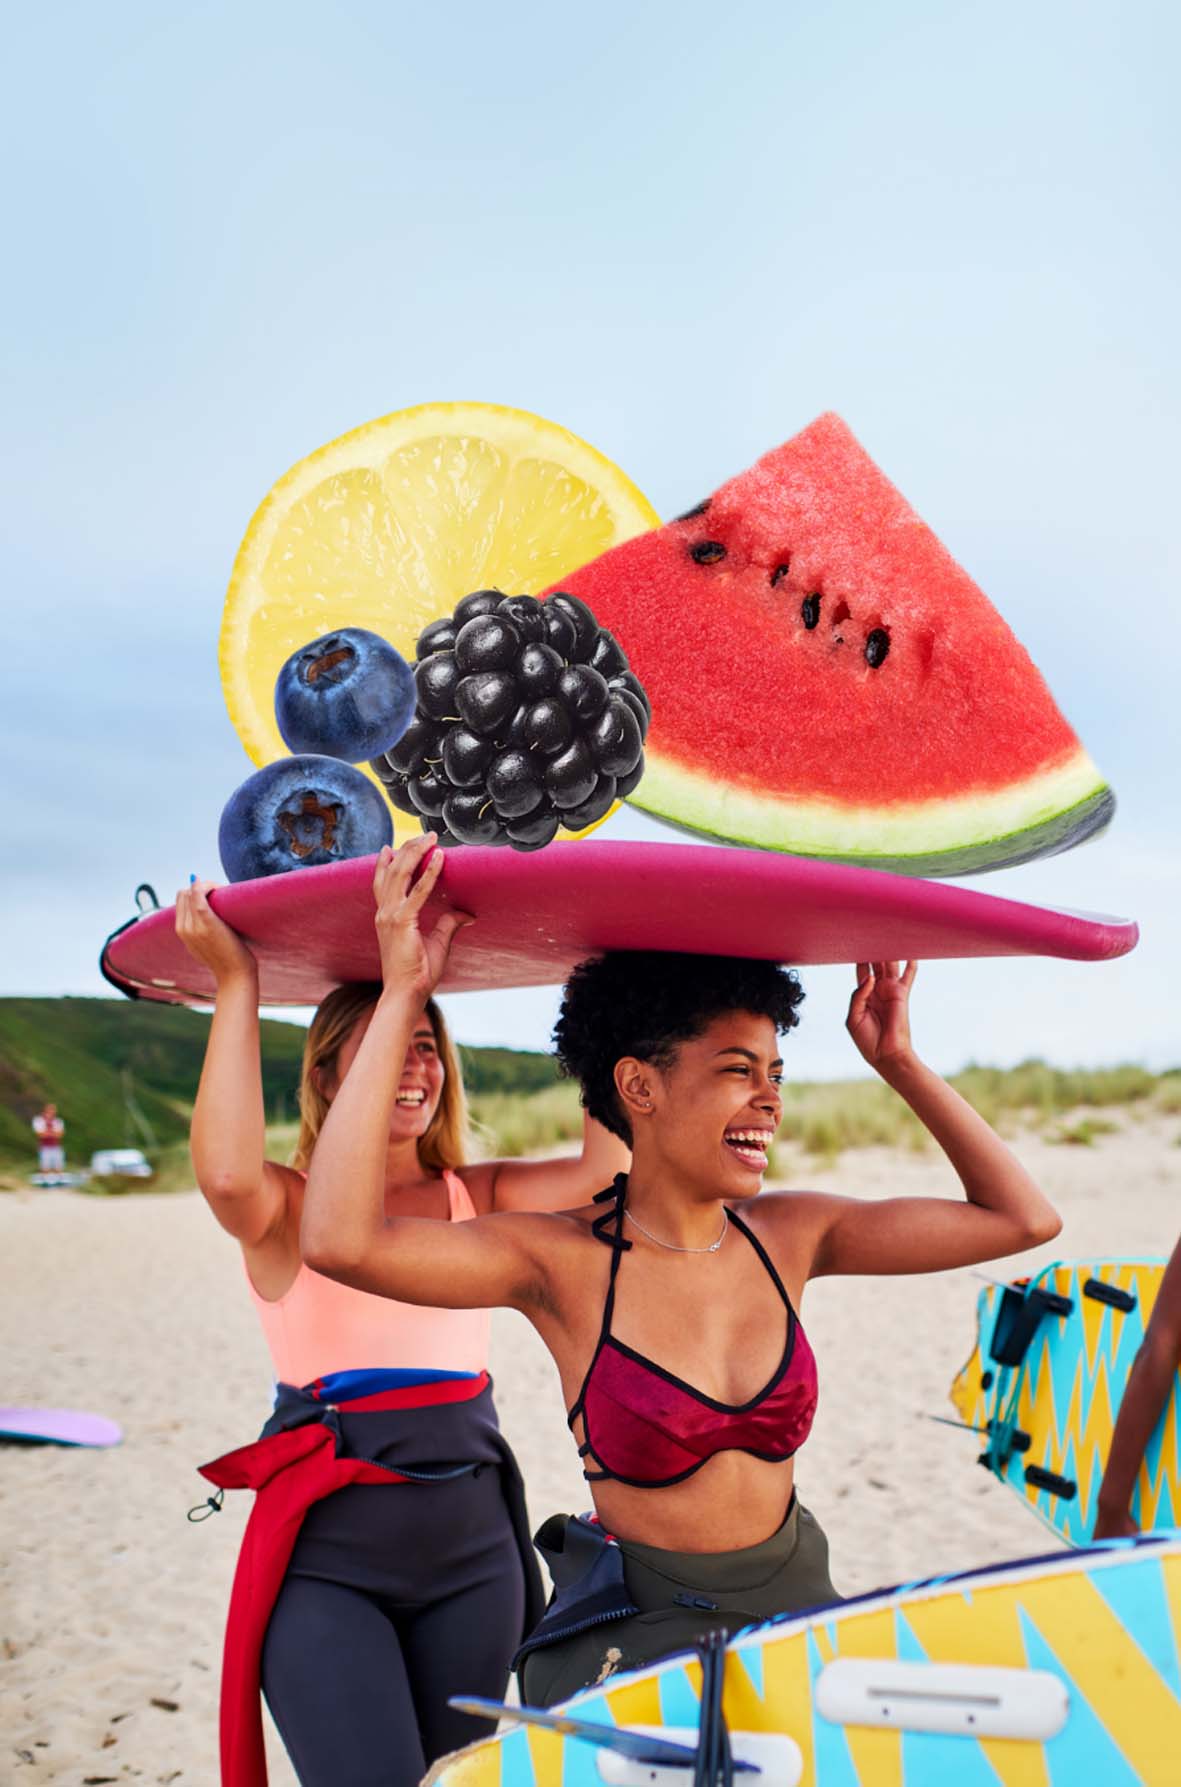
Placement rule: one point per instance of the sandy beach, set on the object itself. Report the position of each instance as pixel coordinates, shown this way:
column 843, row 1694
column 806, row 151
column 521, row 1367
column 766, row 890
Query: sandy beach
column 112, row 1603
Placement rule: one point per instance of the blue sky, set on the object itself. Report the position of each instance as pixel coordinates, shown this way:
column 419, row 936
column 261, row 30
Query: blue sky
column 236, row 231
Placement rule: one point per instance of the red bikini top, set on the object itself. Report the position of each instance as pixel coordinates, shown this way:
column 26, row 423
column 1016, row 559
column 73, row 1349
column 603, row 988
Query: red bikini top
column 647, row 1428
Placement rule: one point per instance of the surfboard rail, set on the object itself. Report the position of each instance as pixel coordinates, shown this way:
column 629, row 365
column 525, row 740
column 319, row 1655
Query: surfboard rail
column 1062, row 1668
column 539, row 914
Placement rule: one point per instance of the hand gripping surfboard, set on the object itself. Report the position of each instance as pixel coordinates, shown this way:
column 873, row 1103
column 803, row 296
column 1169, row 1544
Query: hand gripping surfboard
column 539, row 913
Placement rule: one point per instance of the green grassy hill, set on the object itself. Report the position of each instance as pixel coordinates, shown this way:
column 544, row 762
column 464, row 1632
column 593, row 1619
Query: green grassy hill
column 124, row 1074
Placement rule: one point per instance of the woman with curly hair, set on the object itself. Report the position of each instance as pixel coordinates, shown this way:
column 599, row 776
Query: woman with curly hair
column 670, row 1302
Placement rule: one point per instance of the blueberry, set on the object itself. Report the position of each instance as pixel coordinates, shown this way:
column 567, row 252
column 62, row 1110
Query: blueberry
column 435, row 679
column 348, row 694
column 299, row 813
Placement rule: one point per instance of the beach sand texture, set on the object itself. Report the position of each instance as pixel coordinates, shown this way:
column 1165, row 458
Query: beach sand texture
column 112, row 1603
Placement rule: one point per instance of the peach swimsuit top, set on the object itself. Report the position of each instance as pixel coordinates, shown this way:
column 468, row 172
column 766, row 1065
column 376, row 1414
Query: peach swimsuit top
column 321, row 1326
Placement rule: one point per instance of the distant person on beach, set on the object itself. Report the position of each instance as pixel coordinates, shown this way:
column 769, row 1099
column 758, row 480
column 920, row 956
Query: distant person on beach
column 672, row 1297
column 1150, row 1383
column 50, row 1132
column 360, row 1610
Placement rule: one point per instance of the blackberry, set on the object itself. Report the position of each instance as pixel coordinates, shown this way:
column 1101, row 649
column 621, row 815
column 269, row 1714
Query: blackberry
column 528, row 719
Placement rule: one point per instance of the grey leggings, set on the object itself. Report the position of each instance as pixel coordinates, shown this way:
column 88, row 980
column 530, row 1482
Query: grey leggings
column 786, row 1573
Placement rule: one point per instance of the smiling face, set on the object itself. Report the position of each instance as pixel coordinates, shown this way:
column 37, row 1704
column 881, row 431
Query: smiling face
column 715, row 1110
column 420, row 1086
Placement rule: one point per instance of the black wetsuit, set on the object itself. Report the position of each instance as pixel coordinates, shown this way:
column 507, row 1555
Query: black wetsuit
column 394, row 1600
column 364, row 1607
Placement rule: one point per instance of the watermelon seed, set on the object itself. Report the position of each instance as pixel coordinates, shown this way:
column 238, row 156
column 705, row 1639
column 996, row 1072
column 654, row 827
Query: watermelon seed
column 691, row 514
column 876, row 647
column 707, row 552
column 779, row 573
column 810, row 611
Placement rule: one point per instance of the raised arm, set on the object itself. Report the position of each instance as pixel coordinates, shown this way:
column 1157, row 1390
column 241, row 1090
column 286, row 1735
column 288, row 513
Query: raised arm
column 345, row 1232
column 1149, row 1382
column 1004, row 1210
column 247, row 1193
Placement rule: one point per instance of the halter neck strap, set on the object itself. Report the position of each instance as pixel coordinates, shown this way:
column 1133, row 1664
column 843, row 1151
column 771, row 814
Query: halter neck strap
column 608, row 1227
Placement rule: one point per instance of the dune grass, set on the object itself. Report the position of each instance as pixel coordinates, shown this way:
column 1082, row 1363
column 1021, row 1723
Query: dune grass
column 507, row 1124
column 821, row 1121
column 824, row 1120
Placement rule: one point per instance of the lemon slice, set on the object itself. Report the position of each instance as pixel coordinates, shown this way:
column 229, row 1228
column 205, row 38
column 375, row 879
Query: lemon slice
column 389, row 526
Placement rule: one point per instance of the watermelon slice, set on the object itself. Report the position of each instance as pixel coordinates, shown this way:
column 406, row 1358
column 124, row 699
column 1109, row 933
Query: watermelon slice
column 825, row 679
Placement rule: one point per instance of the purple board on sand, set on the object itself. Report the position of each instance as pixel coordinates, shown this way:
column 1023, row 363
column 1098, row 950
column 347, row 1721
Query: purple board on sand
column 60, row 1427
column 540, row 913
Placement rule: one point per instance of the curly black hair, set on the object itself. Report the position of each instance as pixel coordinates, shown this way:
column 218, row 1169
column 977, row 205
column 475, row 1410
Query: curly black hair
column 646, row 1002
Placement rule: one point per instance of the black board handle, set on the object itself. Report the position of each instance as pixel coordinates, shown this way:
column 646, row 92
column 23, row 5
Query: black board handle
column 1018, row 1319
column 1109, row 1294
column 1051, row 1481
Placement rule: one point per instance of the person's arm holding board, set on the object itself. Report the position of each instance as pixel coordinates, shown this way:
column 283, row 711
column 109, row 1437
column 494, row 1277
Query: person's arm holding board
column 1150, row 1380
column 1002, row 1211
column 345, row 1232
column 248, row 1194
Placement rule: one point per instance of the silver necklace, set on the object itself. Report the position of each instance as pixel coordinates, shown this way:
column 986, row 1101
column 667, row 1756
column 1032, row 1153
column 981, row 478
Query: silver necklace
column 672, row 1246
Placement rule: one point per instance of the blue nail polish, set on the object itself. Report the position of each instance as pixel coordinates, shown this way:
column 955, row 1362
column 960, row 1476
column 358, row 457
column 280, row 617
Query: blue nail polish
column 192, row 878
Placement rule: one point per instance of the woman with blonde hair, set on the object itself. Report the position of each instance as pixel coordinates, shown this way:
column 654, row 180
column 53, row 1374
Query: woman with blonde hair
column 361, row 1612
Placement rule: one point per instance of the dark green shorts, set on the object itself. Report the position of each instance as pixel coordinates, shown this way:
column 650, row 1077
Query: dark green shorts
column 787, row 1572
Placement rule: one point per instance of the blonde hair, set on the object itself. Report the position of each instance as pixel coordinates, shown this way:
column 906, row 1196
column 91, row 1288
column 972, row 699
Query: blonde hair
column 448, row 1139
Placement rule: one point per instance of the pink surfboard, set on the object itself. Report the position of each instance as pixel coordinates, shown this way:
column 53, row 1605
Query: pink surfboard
column 539, row 913
column 59, row 1427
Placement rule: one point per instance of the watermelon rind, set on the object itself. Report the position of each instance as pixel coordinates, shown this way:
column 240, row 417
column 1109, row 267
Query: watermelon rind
column 826, row 681
column 977, row 831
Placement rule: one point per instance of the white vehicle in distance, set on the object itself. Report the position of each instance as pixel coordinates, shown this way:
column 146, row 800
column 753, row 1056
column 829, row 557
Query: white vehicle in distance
column 120, row 1163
